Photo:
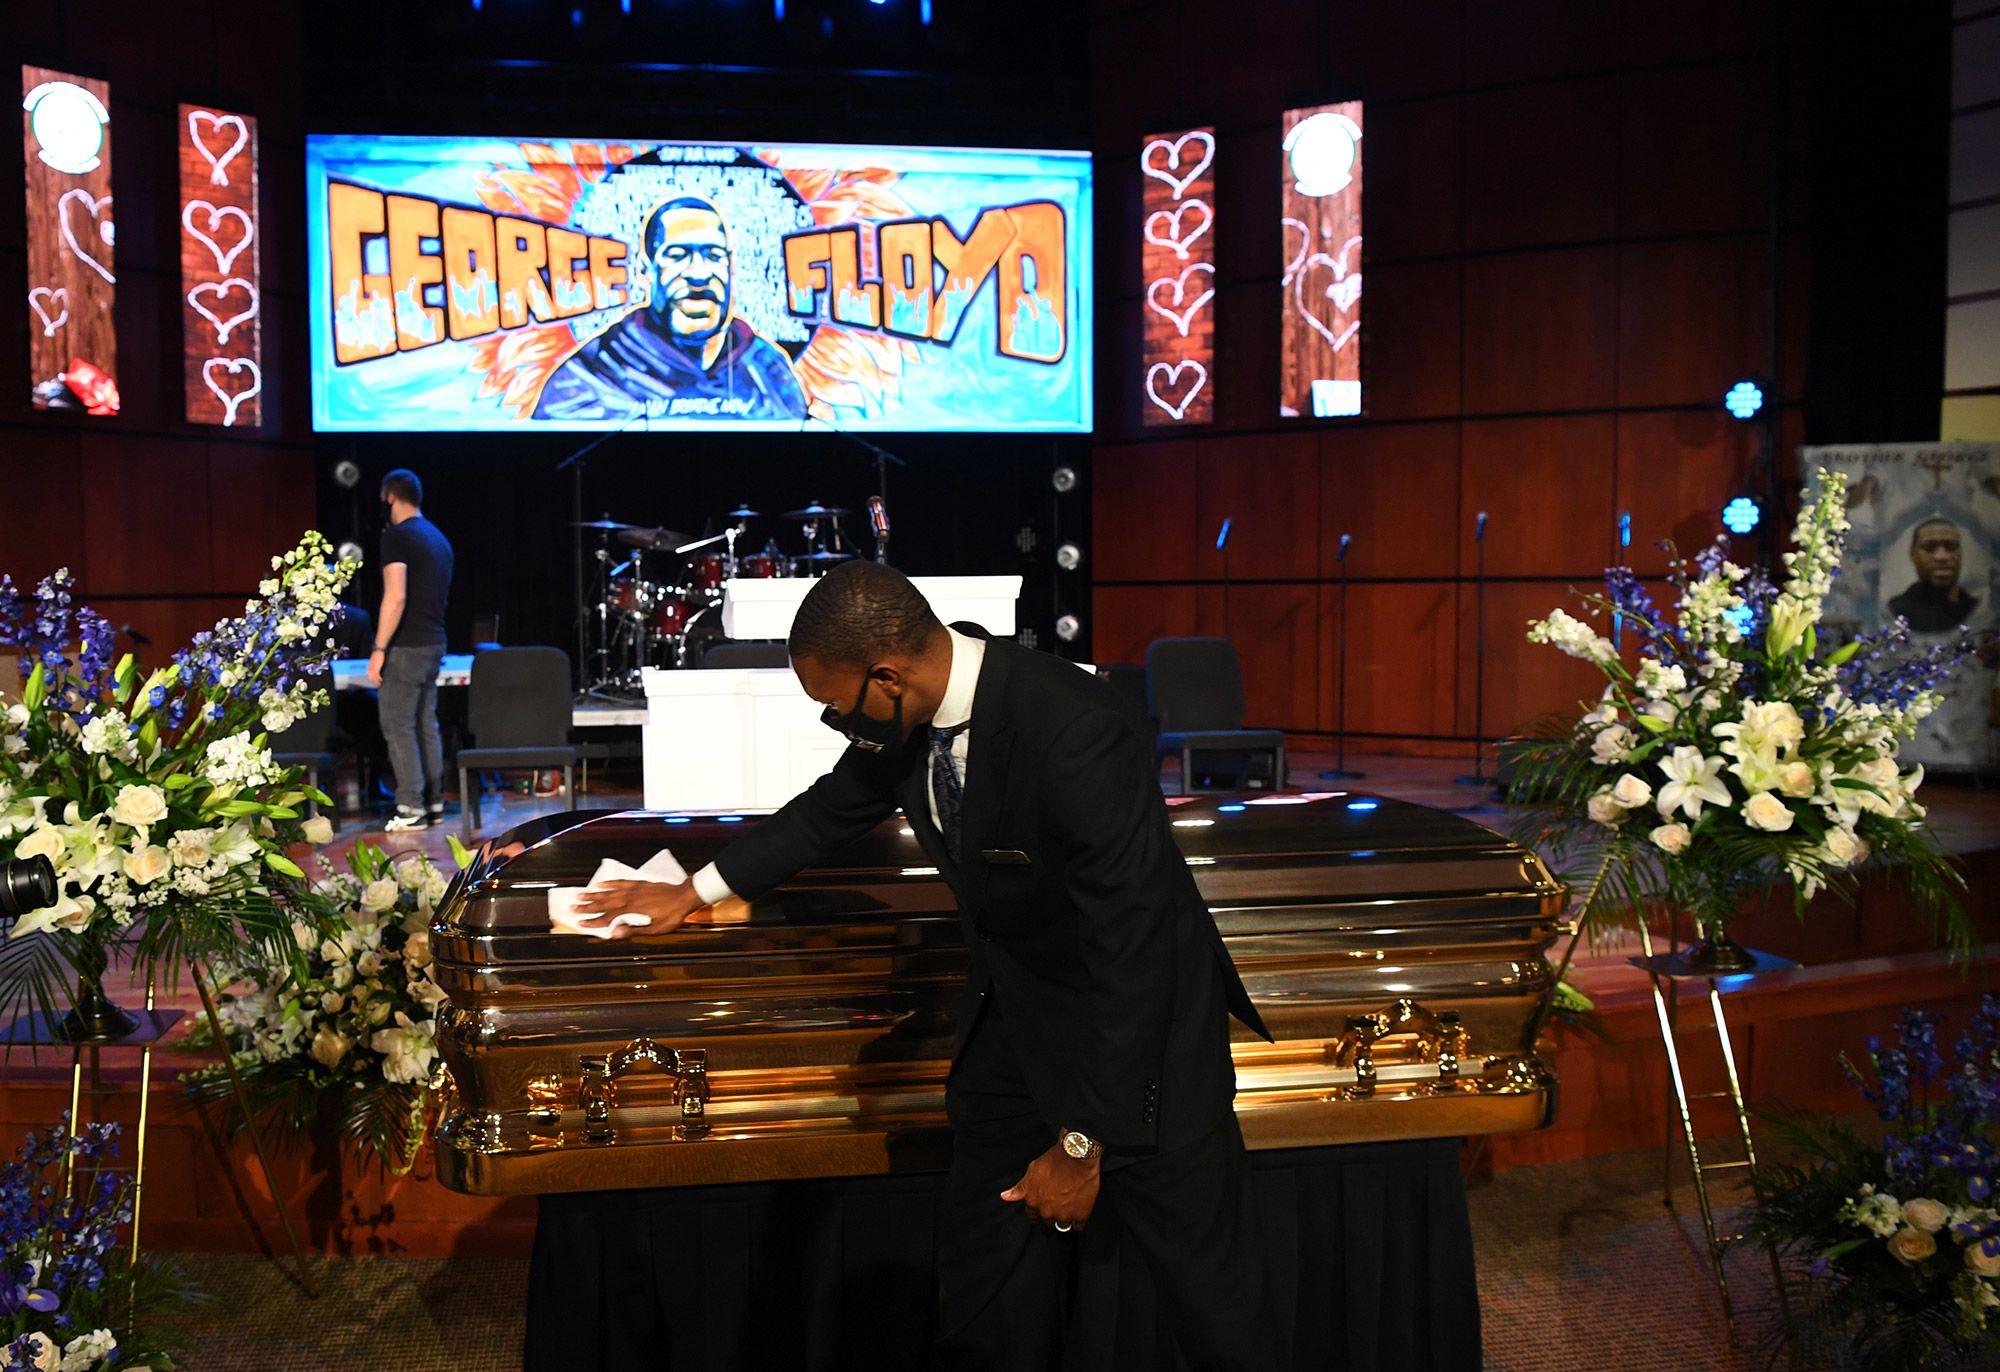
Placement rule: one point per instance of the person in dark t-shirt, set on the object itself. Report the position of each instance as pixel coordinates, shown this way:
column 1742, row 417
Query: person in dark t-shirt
column 409, row 650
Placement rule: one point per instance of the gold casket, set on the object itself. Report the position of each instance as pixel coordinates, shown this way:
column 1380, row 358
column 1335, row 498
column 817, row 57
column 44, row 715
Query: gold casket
column 1397, row 954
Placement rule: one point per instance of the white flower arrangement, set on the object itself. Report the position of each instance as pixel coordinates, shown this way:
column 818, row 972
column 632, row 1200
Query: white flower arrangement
column 356, row 1024
column 1759, row 756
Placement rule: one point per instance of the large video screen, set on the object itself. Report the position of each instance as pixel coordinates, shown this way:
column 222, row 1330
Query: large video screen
column 464, row 283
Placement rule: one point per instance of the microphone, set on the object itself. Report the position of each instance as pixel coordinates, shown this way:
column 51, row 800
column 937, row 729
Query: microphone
column 1222, row 537
column 878, row 516
column 1479, row 528
column 139, row 640
column 1624, row 528
column 1345, row 539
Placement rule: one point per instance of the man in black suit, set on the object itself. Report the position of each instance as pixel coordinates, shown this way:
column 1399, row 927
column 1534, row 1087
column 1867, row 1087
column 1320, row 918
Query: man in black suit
column 1093, row 1054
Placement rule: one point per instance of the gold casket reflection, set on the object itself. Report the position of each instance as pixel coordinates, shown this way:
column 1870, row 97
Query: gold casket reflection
column 1396, row 952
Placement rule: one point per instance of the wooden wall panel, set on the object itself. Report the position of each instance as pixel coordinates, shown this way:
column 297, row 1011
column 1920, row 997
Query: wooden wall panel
column 1675, row 472
column 1268, row 485
column 1540, row 331
column 1402, row 658
column 1414, row 195
column 1276, row 630
column 1691, row 319
column 144, row 547
column 1413, row 372
column 1396, row 489
column 1541, row 164
column 1405, row 50
column 262, row 500
column 41, row 505
column 1523, row 680
column 1143, row 512
column 1127, row 618
column 1675, row 124
column 1547, row 483
column 1522, row 42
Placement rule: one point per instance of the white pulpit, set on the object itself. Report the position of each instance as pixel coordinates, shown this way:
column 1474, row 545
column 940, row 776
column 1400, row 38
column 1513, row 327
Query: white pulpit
column 754, row 608
column 732, row 739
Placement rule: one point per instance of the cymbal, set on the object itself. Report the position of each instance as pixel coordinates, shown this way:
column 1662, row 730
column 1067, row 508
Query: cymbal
column 610, row 525
column 815, row 511
column 741, row 512
column 824, row 556
column 655, row 539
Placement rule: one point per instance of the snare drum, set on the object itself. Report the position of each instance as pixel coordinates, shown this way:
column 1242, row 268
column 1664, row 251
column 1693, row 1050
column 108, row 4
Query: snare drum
column 632, row 597
column 710, row 570
column 760, row 565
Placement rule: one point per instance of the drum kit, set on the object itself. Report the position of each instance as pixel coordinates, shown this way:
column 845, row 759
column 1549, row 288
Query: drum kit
column 659, row 592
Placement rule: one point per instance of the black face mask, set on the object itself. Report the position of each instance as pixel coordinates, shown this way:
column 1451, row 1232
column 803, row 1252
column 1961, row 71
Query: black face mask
column 874, row 735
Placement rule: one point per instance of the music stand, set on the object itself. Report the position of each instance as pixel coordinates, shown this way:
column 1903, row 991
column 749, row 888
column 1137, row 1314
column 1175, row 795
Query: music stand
column 1477, row 777
column 1339, row 771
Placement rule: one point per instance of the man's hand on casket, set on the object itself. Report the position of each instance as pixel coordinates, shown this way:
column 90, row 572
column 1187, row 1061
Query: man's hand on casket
column 665, row 903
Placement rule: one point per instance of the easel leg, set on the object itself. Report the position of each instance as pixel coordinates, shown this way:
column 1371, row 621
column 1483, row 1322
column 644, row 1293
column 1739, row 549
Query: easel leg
column 250, row 1123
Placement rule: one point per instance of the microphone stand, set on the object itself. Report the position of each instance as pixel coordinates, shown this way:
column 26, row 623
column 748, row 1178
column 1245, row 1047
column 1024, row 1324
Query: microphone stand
column 1340, row 772
column 1477, row 777
column 1222, row 545
column 1624, row 543
column 574, row 465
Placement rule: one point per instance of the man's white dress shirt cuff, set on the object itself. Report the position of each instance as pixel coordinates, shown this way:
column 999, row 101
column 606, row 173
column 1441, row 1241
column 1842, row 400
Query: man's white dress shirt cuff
column 709, row 885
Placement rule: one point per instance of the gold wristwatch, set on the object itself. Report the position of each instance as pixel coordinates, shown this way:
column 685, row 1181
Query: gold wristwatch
column 1081, row 1146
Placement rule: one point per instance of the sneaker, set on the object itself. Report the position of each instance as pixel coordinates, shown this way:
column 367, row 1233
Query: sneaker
column 406, row 819
column 435, row 810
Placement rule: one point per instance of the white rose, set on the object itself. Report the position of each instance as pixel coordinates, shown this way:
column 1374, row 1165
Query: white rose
column 1611, row 745
column 378, row 896
column 417, row 951
column 1845, row 848
column 369, row 964
column 148, row 864
column 331, row 1003
column 139, row 806
column 1981, row 1262
column 1911, row 1246
column 1797, row 779
column 43, row 842
column 318, row 831
column 1606, row 811
column 330, row 1048
column 1671, row 839
column 191, row 847
column 1631, row 792
column 1765, row 811
column 1925, row 1214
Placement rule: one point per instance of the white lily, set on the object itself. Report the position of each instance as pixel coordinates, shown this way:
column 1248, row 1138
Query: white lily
column 1692, row 781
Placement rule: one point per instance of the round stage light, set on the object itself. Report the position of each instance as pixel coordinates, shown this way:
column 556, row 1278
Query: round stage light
column 1744, row 400
column 1063, row 479
column 1322, row 152
column 1068, row 627
column 347, row 474
column 67, row 122
column 1742, row 515
column 1069, row 557
column 350, row 551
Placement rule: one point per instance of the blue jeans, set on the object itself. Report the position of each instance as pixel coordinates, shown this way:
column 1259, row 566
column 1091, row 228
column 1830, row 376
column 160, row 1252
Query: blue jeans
column 408, row 707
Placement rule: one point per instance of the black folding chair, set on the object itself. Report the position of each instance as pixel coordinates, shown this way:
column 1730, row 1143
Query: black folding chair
column 519, row 713
column 1194, row 688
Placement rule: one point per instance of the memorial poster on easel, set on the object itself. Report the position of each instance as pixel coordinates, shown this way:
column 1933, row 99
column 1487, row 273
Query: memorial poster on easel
column 1925, row 545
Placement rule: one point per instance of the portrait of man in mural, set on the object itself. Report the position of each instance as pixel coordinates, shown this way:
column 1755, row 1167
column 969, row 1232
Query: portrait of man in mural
column 686, row 352
column 1935, row 602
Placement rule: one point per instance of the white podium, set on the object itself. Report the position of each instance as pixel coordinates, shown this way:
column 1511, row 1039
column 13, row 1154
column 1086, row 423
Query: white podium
column 730, row 739
column 753, row 608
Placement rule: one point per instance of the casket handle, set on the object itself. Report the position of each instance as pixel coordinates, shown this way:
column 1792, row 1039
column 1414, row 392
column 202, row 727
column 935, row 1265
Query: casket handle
column 687, row 1066
column 1441, row 1037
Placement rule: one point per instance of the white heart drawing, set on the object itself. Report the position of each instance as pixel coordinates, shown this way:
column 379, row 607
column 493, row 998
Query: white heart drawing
column 1185, row 316
column 1172, row 371
column 1176, row 241
column 1295, row 260
column 1173, row 152
column 223, row 260
column 217, row 122
column 1343, row 290
column 231, row 399
column 96, row 208
column 224, row 323
column 58, row 296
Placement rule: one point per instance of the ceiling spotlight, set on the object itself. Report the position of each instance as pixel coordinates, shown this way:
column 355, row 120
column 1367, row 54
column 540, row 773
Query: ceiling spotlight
column 1069, row 557
column 1744, row 400
column 1063, row 479
column 1742, row 515
column 1068, row 627
column 346, row 474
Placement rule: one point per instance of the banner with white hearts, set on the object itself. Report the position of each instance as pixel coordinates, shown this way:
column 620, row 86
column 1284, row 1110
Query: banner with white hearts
column 1319, row 364
column 1177, row 277
column 221, row 277
column 71, row 284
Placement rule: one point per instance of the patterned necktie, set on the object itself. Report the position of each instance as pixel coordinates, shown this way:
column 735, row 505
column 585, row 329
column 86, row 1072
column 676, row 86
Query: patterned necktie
column 947, row 787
